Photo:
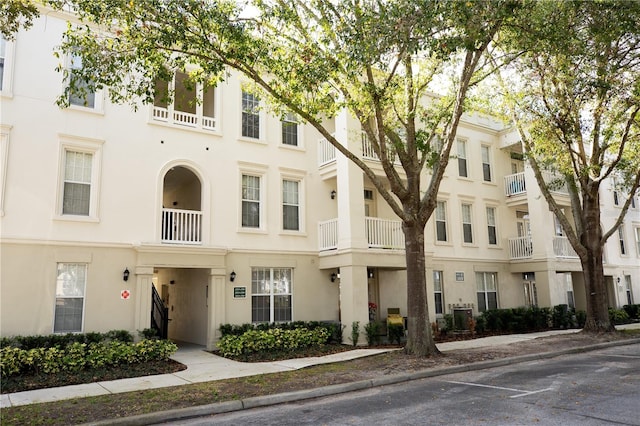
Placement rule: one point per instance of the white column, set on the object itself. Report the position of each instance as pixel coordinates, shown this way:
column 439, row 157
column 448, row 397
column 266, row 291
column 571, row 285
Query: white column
column 354, row 301
column 350, row 186
column 144, row 276
column 217, row 306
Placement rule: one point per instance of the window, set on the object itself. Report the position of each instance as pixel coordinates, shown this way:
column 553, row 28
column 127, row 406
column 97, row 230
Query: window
column 290, row 130
column 250, row 201
column 3, row 56
column 633, row 201
column 467, row 230
column 81, row 95
column 70, row 290
column 437, row 291
column 487, row 286
column 568, row 284
column 616, row 194
column 558, row 226
column 4, row 154
column 623, row 249
column 530, row 294
column 638, row 240
column 194, row 104
column 462, row 158
column 290, row 205
column 486, row 164
column 250, row 116
column 76, row 198
column 629, row 293
column 491, row 225
column 441, row 221
column 271, row 294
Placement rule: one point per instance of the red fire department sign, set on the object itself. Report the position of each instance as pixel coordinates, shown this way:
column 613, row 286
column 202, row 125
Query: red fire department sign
column 125, row 294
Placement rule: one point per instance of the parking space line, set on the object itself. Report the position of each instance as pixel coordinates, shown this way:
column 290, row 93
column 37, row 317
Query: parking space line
column 531, row 393
column 519, row 391
column 484, row 386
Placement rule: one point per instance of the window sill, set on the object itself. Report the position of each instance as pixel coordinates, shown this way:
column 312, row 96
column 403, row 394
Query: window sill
column 177, row 126
column 261, row 231
column 96, row 111
column 252, row 140
column 76, row 218
column 299, row 147
column 301, row 233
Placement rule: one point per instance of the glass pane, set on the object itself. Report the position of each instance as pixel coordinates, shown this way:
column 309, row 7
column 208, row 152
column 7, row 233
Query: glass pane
column 492, row 300
column 290, row 192
column 260, row 310
column 491, row 281
column 438, row 302
column 68, row 315
column 485, row 154
column 290, row 219
column 250, row 214
column 208, row 101
column 486, row 172
column 71, row 280
column 282, row 280
column 441, row 231
column 282, row 308
column 491, row 216
column 260, row 281
column 462, row 167
column 161, row 91
column 441, row 211
column 468, row 235
column 76, row 199
column 78, row 166
column 482, row 304
column 466, row 213
column 492, row 235
column 480, row 281
column 437, row 280
column 290, row 130
column 250, row 188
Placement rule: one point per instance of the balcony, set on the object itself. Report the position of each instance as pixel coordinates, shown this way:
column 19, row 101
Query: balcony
column 520, row 248
column 515, row 184
column 562, row 248
column 381, row 234
column 181, row 226
column 182, row 118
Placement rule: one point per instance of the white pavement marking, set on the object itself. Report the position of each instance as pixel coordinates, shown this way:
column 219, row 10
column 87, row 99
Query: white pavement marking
column 624, row 356
column 521, row 392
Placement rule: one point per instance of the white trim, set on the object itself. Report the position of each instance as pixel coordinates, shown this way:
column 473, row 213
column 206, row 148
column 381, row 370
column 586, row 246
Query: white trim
column 4, row 163
column 259, row 171
column 299, row 178
column 85, row 145
column 7, row 74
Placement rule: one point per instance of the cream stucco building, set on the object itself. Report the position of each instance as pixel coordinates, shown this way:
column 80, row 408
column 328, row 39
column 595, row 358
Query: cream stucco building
column 225, row 214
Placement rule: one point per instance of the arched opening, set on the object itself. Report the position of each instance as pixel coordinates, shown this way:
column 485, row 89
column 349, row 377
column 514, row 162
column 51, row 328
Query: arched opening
column 181, row 207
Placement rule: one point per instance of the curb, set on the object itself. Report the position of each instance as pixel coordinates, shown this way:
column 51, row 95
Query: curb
column 280, row 398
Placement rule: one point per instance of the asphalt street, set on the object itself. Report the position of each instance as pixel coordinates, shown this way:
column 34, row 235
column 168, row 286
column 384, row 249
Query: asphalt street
column 595, row 388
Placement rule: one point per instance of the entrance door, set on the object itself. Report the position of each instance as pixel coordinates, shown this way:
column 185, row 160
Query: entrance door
column 530, row 293
column 374, row 294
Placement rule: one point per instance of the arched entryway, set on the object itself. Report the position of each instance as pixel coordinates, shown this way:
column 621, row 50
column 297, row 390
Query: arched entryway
column 181, row 207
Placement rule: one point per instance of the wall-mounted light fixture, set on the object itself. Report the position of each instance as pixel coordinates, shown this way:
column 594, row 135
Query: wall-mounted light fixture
column 125, row 274
column 232, row 276
column 370, row 272
column 618, row 279
column 333, row 194
column 333, row 277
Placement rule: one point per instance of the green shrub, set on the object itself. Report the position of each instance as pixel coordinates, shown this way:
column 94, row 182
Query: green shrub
column 581, row 319
column 481, row 324
column 448, row 320
column 355, row 332
column 148, row 333
column 396, row 333
column 618, row 316
column 372, row 329
column 633, row 311
column 78, row 356
column 275, row 339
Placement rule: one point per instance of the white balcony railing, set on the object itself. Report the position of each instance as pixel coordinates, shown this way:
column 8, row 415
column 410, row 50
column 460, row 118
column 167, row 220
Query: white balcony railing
column 181, row 226
column 381, row 233
column 562, row 248
column 520, row 247
column 384, row 233
column 555, row 182
column 182, row 118
column 514, row 184
column 369, row 153
column 326, row 152
column 328, row 234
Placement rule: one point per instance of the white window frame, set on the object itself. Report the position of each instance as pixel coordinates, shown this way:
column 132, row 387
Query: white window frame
column 467, row 222
column 492, row 225
column 6, row 76
column 272, row 291
column 59, row 294
column 486, row 163
column 70, row 143
column 259, row 171
column 298, row 177
column 258, row 113
column 290, row 120
column 481, row 287
column 98, row 95
column 441, row 217
column 637, row 235
column 438, row 289
column 628, row 290
column 4, row 161
column 622, row 243
column 461, row 149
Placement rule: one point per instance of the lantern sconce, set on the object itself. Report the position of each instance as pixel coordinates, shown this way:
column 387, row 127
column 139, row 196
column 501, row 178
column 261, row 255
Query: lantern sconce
column 370, row 272
column 333, row 277
column 232, row 276
column 333, row 194
column 125, row 274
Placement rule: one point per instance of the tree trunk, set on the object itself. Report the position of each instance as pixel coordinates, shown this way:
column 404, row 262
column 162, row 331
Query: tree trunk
column 419, row 335
column 593, row 269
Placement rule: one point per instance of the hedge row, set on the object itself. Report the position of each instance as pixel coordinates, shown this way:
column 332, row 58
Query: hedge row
column 274, row 339
column 633, row 311
column 63, row 340
column 78, row 356
column 334, row 329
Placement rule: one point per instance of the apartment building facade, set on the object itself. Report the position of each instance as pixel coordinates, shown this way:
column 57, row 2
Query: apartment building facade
column 216, row 212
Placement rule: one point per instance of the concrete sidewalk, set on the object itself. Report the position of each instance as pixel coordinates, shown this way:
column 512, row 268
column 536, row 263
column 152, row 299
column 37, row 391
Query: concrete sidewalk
column 203, row 366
